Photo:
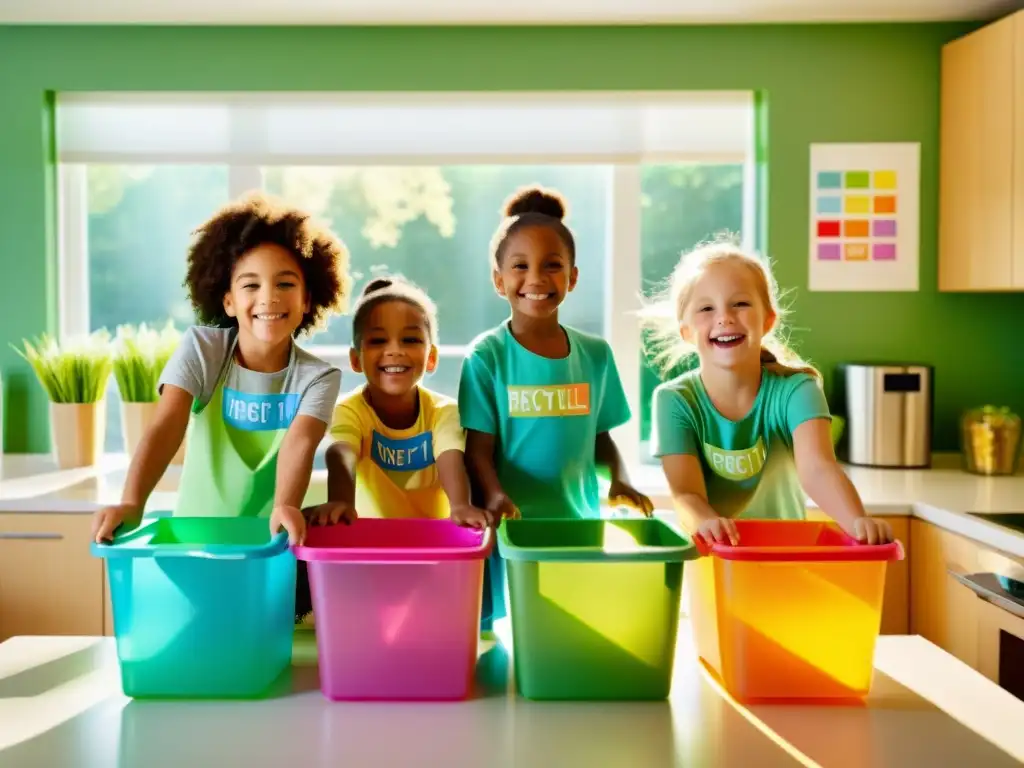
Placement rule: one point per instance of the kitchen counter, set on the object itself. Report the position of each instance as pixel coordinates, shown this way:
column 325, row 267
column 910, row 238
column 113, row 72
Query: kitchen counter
column 941, row 495
column 31, row 482
column 61, row 705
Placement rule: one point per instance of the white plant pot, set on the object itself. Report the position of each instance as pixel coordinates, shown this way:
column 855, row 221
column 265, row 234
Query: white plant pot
column 77, row 432
column 135, row 420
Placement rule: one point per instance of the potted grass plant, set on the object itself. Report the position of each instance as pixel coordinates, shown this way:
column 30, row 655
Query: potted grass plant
column 74, row 376
column 141, row 353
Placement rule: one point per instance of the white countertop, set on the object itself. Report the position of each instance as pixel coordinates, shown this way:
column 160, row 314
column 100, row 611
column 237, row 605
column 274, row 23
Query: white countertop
column 942, row 495
column 32, row 482
column 61, row 705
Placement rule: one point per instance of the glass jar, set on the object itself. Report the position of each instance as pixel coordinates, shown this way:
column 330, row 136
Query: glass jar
column 991, row 440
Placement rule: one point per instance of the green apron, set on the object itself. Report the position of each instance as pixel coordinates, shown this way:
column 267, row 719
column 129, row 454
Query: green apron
column 218, row 479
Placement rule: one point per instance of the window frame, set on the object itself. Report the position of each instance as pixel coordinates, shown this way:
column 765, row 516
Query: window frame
column 623, row 270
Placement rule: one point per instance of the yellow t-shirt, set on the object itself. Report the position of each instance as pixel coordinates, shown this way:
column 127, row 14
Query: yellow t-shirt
column 396, row 475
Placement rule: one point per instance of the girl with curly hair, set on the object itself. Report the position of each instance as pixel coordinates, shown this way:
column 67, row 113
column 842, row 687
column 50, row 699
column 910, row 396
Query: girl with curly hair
column 254, row 403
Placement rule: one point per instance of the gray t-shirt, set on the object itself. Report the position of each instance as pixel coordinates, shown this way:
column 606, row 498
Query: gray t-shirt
column 252, row 401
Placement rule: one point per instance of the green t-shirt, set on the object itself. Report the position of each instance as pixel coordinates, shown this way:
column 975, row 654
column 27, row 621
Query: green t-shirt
column 748, row 464
column 545, row 415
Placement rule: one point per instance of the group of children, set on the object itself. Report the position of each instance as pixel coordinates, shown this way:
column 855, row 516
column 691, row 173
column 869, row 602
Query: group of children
column 746, row 433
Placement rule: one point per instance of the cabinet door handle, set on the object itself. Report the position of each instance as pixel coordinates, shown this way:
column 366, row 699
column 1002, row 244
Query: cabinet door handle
column 31, row 536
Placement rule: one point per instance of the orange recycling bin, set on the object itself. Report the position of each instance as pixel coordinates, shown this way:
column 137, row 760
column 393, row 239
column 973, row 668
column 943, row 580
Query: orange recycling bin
column 792, row 612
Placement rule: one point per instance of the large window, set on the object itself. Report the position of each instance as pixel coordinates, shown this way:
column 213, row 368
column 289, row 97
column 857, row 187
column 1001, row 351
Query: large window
column 413, row 184
column 135, row 222
column 140, row 220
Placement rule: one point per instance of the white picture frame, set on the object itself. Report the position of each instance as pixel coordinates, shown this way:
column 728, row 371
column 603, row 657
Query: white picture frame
column 864, row 217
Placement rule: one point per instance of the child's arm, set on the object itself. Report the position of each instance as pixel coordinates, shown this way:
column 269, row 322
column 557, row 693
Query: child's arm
column 808, row 420
column 154, row 453
column 613, row 411
column 186, row 377
column 676, row 443
column 606, row 454
column 295, row 456
column 480, row 463
column 478, row 413
column 342, row 459
column 449, row 445
column 451, row 468
column 686, row 484
column 341, row 473
column 827, row 484
column 294, row 468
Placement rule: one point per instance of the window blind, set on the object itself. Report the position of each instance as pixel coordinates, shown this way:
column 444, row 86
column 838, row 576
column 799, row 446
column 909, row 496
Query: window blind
column 405, row 128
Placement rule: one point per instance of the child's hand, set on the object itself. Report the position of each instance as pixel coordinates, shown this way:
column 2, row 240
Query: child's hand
column 471, row 517
column 501, row 507
column 106, row 521
column 718, row 530
column 291, row 519
column 872, row 530
column 330, row 513
column 622, row 494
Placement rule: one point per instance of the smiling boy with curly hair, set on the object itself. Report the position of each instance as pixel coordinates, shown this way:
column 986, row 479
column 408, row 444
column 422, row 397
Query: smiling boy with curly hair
column 254, row 403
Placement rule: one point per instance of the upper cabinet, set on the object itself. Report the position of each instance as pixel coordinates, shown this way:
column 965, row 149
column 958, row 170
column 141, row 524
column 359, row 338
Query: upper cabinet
column 981, row 163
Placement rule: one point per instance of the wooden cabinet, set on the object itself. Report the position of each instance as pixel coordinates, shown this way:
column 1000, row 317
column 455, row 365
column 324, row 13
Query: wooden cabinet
column 49, row 583
column 942, row 609
column 896, row 605
column 981, row 160
column 1017, row 67
column 896, row 602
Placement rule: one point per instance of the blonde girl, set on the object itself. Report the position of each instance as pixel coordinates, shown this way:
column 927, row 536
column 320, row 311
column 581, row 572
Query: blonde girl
column 747, row 433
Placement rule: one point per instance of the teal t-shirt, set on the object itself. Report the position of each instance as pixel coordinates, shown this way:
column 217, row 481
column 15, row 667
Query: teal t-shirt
column 546, row 415
column 748, row 464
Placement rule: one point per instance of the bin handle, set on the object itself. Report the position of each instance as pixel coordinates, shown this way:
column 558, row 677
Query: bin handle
column 274, row 547
column 803, row 554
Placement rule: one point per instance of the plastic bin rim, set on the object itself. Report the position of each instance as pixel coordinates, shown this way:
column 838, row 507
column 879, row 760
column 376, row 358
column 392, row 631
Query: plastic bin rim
column 858, row 553
column 274, row 547
column 397, row 555
column 677, row 553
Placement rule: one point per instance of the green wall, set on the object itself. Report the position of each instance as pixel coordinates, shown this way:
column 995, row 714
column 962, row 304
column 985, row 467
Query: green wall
column 822, row 83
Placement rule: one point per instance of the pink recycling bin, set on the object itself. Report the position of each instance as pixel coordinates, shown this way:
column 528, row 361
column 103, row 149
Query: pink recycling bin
column 397, row 607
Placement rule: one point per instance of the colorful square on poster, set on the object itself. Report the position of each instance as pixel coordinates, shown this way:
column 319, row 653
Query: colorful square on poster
column 856, row 251
column 865, row 217
column 884, row 252
column 830, row 251
column 858, row 204
column 828, row 229
column 883, row 227
column 858, row 179
column 885, row 179
column 856, row 228
column 885, row 204
column 830, row 180
column 830, row 205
